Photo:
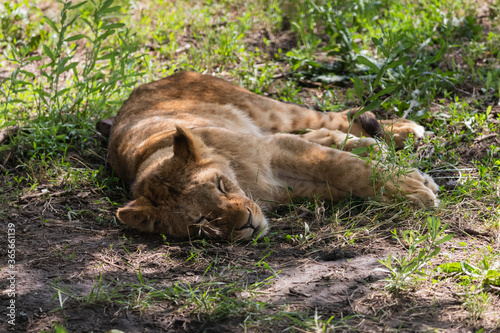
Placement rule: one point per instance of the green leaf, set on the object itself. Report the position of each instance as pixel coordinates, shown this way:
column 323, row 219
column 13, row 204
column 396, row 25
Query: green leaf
column 34, row 58
column 421, row 254
column 445, row 239
column 48, row 52
column 385, row 91
column 398, row 62
column 364, row 61
column 359, row 87
column 112, row 26
column 76, row 37
column 370, row 107
column 420, row 239
column 110, row 10
column 493, row 276
column 452, row 267
column 23, row 83
column 70, row 23
column 485, row 263
column 439, row 55
column 78, row 5
column 40, row 92
column 106, row 4
column 62, row 92
column 51, row 24
column 384, row 50
column 29, row 74
column 61, row 64
column 44, row 73
column 401, row 48
column 70, row 66
column 435, row 252
column 359, row 150
column 421, row 273
column 104, row 35
column 109, row 55
column 379, row 76
column 15, row 100
column 470, row 270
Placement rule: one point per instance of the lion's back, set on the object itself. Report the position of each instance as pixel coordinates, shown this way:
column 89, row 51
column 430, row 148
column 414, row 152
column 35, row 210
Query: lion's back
column 148, row 119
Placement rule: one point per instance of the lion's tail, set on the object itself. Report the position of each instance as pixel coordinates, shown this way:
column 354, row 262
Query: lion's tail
column 370, row 124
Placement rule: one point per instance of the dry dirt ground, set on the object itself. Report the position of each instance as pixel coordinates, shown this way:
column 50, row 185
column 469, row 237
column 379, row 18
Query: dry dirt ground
column 69, row 246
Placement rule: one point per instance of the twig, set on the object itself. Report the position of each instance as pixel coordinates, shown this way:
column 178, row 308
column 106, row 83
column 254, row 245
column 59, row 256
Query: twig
column 412, row 104
column 454, row 169
column 449, row 170
column 38, row 259
column 485, row 137
column 36, row 195
column 477, row 233
column 48, row 224
column 111, row 263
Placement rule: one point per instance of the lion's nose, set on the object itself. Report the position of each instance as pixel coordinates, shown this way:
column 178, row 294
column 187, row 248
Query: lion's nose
column 249, row 222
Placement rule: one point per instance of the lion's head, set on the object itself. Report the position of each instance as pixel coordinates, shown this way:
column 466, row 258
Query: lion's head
column 192, row 193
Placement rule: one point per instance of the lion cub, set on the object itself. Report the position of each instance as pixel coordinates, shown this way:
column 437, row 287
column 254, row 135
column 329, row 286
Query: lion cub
column 204, row 156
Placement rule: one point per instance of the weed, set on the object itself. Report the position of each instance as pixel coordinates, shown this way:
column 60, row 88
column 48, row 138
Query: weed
column 67, row 92
column 301, row 238
column 421, row 248
column 57, row 329
column 475, row 301
column 213, row 300
column 486, row 273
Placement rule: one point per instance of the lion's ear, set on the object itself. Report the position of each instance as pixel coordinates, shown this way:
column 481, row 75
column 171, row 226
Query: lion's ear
column 137, row 214
column 185, row 146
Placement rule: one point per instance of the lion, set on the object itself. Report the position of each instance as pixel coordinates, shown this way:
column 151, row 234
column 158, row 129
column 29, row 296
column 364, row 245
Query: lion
column 205, row 157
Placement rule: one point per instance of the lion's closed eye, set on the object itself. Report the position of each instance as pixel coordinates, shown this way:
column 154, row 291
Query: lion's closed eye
column 220, row 186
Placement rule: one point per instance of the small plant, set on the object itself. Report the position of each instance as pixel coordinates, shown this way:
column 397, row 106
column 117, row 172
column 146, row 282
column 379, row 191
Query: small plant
column 486, row 273
column 301, row 238
column 475, row 301
column 405, row 269
column 57, row 329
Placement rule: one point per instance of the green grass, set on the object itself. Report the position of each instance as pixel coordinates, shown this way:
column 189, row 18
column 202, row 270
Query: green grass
column 436, row 62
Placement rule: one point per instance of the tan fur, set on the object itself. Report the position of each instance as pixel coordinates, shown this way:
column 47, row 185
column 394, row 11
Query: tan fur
column 204, row 156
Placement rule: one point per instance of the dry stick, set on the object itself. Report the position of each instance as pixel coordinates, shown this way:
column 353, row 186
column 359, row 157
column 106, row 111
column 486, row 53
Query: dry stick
column 4, row 162
column 485, row 137
column 412, row 104
column 36, row 195
column 476, row 233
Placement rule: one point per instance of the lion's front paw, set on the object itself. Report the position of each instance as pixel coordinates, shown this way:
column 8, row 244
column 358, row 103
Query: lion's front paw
column 400, row 129
column 419, row 188
column 339, row 139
